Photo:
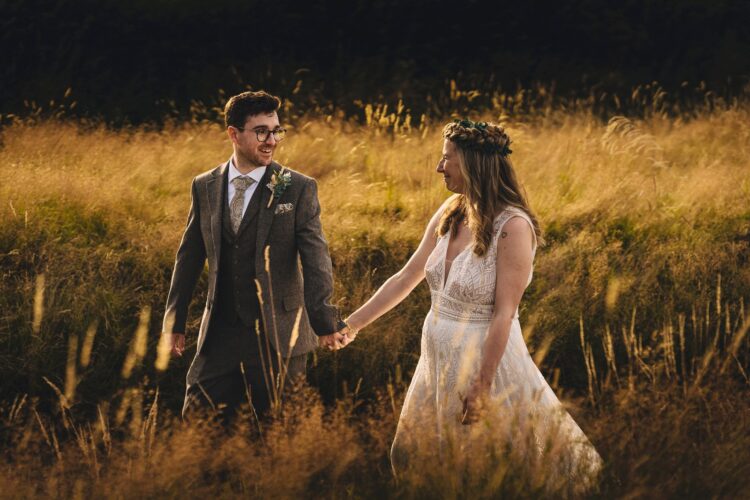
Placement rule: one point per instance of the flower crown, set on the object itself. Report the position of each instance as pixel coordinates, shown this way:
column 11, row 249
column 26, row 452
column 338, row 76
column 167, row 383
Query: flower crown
column 487, row 147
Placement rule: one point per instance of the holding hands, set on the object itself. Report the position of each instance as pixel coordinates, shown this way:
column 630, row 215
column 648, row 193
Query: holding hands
column 338, row 340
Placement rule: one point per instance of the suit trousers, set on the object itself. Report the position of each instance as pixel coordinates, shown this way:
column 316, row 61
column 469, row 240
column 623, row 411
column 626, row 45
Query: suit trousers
column 255, row 378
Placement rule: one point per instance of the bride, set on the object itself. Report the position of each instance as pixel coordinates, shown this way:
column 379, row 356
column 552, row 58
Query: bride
column 477, row 254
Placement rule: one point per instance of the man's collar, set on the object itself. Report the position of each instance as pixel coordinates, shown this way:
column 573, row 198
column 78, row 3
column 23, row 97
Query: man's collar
column 256, row 174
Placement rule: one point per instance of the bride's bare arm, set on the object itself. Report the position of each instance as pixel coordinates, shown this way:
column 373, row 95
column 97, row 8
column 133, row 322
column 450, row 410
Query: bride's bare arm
column 398, row 286
column 513, row 265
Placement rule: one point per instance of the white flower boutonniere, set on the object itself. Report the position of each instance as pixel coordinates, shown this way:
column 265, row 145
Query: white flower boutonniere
column 279, row 182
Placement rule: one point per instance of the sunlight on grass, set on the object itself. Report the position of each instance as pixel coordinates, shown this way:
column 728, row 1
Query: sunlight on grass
column 636, row 313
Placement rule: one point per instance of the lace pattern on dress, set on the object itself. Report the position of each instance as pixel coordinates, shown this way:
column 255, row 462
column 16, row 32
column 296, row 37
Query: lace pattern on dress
column 472, row 278
column 448, row 307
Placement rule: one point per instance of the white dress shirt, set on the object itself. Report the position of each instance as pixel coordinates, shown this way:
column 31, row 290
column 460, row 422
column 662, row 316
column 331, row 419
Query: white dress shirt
column 256, row 175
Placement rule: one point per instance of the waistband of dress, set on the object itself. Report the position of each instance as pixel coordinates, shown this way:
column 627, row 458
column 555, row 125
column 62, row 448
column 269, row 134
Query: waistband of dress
column 445, row 306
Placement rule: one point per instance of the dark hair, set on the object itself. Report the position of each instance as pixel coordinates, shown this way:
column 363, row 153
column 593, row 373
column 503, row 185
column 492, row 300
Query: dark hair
column 240, row 106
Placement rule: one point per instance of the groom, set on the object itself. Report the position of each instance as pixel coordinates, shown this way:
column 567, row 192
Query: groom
column 269, row 272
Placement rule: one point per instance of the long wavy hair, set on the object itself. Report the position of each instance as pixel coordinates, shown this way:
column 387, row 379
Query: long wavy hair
column 490, row 183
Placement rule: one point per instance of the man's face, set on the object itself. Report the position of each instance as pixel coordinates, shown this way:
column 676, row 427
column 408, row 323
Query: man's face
column 247, row 145
column 448, row 166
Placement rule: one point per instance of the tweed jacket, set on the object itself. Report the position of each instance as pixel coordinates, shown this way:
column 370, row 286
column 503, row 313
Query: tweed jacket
column 292, row 265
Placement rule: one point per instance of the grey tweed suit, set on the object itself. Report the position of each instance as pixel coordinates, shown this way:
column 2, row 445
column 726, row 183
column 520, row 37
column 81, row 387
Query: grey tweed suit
column 292, row 265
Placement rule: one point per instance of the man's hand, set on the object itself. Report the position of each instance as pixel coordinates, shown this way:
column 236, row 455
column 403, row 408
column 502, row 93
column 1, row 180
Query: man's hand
column 176, row 343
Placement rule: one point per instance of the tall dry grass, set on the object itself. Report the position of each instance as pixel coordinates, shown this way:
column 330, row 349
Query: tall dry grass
column 636, row 313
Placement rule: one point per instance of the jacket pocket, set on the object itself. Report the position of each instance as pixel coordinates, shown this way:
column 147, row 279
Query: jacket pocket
column 292, row 302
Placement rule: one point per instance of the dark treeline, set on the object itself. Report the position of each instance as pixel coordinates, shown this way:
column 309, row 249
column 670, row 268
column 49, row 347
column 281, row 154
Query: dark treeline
column 141, row 60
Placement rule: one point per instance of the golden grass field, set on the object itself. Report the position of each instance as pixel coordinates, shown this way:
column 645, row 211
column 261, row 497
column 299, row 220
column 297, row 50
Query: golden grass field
column 636, row 315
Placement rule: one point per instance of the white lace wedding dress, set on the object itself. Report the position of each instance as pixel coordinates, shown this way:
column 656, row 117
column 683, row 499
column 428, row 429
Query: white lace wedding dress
column 452, row 339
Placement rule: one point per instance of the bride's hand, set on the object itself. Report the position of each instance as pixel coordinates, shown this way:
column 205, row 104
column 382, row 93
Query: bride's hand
column 474, row 402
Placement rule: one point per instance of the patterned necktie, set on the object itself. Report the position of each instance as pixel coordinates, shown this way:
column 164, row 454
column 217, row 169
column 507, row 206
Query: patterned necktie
column 238, row 200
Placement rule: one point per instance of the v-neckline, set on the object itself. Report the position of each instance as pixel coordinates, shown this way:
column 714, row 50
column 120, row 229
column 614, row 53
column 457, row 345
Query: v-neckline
column 446, row 270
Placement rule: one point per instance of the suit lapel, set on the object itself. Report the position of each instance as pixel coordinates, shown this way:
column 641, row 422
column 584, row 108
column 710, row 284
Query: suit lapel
column 266, row 212
column 215, row 188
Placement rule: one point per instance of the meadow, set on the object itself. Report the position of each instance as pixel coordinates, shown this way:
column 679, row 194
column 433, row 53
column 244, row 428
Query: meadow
column 636, row 314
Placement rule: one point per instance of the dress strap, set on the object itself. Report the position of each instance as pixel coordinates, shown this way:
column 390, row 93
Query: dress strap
column 508, row 214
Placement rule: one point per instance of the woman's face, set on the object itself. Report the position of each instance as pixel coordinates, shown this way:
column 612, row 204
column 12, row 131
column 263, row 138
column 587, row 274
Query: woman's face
column 448, row 166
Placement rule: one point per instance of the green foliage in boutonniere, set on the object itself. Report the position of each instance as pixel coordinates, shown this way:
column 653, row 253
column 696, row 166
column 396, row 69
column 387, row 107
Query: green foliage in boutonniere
column 279, row 182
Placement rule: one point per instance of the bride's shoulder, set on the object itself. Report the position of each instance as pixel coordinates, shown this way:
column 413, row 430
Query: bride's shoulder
column 509, row 213
column 515, row 220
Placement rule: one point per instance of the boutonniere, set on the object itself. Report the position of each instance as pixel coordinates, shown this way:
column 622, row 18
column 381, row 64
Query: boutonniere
column 279, row 182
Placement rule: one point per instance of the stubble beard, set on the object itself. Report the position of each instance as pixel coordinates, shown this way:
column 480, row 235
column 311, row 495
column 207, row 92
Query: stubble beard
column 255, row 159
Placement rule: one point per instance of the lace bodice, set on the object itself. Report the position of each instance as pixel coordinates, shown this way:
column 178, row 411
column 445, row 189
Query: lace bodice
column 468, row 293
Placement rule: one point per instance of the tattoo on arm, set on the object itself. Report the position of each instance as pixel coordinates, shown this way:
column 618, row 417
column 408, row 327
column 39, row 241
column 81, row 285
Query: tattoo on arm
column 503, row 234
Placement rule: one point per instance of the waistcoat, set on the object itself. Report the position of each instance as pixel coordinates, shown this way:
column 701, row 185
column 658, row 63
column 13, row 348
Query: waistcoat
column 237, row 298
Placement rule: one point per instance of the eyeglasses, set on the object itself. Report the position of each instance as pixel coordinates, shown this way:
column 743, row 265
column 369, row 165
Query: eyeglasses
column 262, row 134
